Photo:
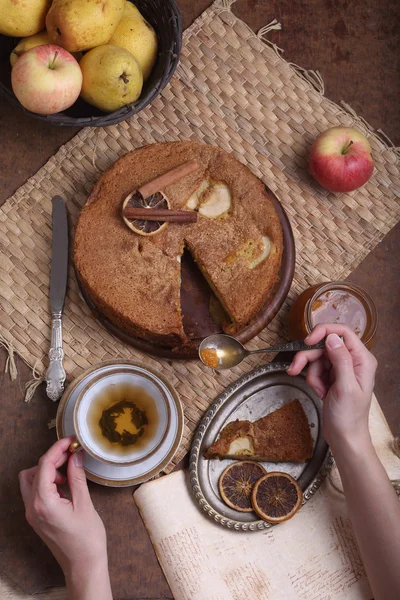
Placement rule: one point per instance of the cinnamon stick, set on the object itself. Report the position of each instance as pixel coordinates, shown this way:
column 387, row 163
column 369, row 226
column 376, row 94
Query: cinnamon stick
column 160, row 214
column 168, row 178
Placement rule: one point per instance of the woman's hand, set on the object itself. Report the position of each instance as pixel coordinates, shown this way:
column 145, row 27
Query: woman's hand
column 343, row 374
column 72, row 529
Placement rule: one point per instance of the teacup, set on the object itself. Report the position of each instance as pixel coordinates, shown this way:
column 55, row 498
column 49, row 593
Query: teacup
column 100, row 396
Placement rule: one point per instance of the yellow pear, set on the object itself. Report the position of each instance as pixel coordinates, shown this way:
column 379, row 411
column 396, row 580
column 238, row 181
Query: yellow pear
column 27, row 43
column 83, row 24
column 130, row 10
column 21, row 18
column 31, row 42
column 111, row 77
column 137, row 36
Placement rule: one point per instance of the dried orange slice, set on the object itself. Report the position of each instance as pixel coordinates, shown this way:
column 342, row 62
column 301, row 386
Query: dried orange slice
column 236, row 484
column 276, row 497
column 141, row 226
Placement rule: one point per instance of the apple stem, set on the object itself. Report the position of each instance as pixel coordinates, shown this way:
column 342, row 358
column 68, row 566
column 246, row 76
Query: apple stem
column 124, row 78
column 346, row 148
column 52, row 64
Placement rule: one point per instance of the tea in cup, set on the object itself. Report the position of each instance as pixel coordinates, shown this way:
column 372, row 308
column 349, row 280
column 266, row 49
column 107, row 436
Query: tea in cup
column 121, row 417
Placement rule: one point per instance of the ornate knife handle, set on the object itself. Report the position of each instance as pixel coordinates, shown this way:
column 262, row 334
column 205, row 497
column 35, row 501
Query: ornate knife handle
column 55, row 375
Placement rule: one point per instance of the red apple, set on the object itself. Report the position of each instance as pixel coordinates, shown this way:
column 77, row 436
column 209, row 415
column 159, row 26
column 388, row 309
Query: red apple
column 340, row 159
column 46, row 79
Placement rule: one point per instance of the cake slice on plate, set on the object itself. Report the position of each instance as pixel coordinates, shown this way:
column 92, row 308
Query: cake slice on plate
column 281, row 436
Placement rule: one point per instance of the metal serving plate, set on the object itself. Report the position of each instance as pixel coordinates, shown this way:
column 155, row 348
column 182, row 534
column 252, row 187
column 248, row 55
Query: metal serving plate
column 251, row 397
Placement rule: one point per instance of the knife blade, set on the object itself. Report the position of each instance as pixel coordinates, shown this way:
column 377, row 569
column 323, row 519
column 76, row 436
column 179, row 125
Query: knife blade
column 59, row 255
column 55, row 375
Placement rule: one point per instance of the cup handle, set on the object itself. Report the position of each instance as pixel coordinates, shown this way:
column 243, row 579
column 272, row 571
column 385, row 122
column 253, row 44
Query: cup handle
column 75, row 447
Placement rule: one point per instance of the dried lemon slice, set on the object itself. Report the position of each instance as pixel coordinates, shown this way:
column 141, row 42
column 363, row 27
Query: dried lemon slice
column 141, row 226
column 276, row 497
column 236, row 484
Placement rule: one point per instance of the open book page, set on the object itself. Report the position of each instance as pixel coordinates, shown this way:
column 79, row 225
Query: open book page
column 313, row 556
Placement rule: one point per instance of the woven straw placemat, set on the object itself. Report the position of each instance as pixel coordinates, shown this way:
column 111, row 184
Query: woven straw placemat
column 232, row 90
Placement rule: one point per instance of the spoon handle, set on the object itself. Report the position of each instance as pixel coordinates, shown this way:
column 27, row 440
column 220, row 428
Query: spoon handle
column 290, row 347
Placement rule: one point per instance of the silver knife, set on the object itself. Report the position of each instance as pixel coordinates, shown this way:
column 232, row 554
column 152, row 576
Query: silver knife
column 55, row 375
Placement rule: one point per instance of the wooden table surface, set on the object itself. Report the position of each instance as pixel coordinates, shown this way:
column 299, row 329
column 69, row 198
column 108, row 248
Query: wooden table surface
column 355, row 46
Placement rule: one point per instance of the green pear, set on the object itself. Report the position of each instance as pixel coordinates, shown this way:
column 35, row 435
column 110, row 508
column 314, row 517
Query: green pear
column 78, row 25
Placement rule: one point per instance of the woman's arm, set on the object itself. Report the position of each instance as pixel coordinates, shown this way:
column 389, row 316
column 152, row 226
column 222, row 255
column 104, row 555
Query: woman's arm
column 88, row 583
column 72, row 529
column 343, row 375
column 374, row 510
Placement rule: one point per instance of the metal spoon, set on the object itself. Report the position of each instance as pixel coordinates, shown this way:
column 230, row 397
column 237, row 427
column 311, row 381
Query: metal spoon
column 230, row 352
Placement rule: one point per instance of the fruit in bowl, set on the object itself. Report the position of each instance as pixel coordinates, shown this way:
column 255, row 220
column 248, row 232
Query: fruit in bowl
column 21, row 19
column 83, row 24
column 340, row 159
column 112, row 77
column 137, row 36
column 46, row 79
column 39, row 39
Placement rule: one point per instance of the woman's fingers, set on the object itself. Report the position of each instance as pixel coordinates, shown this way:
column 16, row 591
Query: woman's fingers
column 364, row 363
column 323, row 329
column 316, row 377
column 46, row 474
column 30, row 474
column 342, row 363
column 59, row 479
column 62, row 493
column 352, row 342
column 77, row 480
column 26, row 478
column 302, row 358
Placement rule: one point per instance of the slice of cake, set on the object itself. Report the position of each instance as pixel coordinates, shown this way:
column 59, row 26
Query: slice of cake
column 282, row 436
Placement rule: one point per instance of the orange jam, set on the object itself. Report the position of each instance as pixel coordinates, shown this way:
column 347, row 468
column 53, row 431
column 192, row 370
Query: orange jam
column 336, row 302
column 209, row 357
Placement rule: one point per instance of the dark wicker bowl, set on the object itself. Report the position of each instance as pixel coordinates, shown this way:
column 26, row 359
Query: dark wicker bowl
column 167, row 22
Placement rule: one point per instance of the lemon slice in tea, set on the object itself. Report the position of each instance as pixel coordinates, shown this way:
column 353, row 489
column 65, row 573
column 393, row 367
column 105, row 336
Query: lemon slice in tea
column 141, row 226
column 236, row 484
column 276, row 497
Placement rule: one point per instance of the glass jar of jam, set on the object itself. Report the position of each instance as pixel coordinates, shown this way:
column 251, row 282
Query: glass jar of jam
column 336, row 302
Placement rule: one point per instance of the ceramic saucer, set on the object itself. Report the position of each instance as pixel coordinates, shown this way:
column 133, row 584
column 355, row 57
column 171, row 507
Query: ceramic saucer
column 142, row 470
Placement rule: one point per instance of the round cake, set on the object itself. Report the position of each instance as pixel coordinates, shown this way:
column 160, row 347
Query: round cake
column 135, row 280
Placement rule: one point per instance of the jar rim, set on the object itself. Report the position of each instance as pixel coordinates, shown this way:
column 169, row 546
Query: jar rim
column 369, row 333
